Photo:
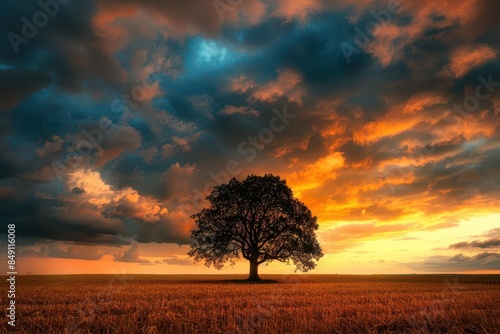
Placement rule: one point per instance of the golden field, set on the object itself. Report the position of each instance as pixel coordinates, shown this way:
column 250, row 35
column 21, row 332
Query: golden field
column 293, row 304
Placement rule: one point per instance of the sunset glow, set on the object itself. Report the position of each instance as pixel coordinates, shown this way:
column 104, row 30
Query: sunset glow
column 114, row 129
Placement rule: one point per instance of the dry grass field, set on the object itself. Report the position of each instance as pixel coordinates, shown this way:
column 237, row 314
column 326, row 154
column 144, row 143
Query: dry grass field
column 295, row 304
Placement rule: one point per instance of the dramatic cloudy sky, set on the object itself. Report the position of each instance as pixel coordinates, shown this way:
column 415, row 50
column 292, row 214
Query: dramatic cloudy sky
column 383, row 116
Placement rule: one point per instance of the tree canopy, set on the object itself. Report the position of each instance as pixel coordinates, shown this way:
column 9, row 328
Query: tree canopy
column 258, row 219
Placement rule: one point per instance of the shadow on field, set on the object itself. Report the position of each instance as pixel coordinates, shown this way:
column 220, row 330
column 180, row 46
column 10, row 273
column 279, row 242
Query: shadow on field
column 239, row 281
column 236, row 281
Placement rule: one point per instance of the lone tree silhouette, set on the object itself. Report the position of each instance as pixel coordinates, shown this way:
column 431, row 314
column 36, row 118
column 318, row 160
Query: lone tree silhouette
column 257, row 218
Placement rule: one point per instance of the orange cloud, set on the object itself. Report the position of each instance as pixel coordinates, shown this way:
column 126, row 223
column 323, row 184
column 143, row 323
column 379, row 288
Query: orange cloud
column 401, row 118
column 297, row 9
column 231, row 110
column 241, row 84
column 390, row 39
column 287, row 84
column 318, row 172
column 106, row 25
column 363, row 231
column 467, row 58
column 125, row 202
column 185, row 17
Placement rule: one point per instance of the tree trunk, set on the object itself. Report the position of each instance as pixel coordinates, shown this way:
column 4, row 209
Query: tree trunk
column 254, row 271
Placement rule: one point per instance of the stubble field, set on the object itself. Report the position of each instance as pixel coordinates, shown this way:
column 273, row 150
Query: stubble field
column 220, row 304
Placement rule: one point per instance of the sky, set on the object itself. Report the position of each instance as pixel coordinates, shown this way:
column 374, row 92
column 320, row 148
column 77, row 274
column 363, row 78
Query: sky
column 118, row 117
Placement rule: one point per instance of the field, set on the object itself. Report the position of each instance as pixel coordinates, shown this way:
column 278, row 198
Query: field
column 294, row 304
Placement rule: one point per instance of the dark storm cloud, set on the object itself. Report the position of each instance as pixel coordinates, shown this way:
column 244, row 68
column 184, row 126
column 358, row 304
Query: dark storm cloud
column 17, row 84
column 46, row 211
column 77, row 190
column 51, row 219
column 58, row 250
column 490, row 243
column 485, row 22
column 163, row 231
column 460, row 262
column 257, row 58
column 190, row 15
column 66, row 46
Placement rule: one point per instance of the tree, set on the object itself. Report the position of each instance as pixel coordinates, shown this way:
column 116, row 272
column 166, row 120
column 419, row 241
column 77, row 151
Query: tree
column 259, row 219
